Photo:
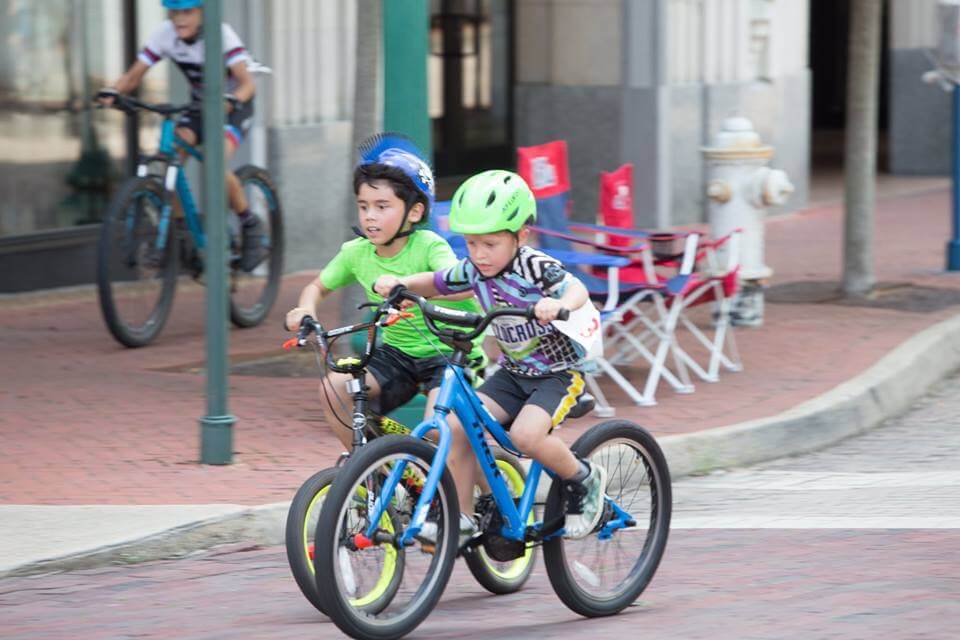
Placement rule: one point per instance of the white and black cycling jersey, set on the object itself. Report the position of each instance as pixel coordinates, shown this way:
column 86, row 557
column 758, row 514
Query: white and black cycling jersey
column 188, row 56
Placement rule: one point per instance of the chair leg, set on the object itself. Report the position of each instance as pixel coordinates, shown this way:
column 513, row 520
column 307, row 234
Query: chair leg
column 640, row 399
column 603, row 408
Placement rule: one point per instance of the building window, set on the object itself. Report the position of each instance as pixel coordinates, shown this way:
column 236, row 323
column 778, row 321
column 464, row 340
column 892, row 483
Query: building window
column 59, row 157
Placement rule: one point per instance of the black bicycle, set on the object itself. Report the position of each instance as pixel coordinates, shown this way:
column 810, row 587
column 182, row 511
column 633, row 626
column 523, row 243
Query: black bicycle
column 144, row 247
column 495, row 573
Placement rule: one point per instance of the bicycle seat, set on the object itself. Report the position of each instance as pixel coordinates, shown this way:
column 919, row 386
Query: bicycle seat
column 585, row 404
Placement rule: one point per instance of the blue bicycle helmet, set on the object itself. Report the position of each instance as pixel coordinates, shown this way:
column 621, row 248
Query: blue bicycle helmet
column 182, row 4
column 398, row 151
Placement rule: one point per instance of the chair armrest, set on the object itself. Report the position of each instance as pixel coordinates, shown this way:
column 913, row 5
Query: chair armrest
column 592, row 259
column 584, row 241
column 600, row 228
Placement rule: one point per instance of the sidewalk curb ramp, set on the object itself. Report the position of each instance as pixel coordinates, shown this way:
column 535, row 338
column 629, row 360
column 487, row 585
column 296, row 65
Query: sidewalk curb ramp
column 883, row 391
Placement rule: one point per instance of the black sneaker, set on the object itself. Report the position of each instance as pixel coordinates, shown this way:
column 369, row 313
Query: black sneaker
column 585, row 502
column 252, row 249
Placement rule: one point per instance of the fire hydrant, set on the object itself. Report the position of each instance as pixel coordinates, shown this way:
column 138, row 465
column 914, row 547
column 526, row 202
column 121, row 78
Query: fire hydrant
column 740, row 188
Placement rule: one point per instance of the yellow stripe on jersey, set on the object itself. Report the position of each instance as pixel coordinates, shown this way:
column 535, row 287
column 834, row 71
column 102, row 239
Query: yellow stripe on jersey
column 573, row 392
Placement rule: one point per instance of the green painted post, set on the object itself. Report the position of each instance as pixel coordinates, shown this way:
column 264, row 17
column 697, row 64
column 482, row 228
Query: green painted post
column 216, row 428
column 405, row 48
column 405, row 41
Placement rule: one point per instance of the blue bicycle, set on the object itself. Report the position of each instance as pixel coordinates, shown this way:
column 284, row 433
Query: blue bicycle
column 144, row 246
column 598, row 575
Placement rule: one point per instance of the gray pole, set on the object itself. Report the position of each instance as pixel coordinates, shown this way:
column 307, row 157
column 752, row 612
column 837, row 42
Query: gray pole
column 216, row 428
column 861, row 146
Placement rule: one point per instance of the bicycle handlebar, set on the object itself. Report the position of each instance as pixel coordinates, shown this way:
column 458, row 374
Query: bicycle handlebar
column 385, row 315
column 129, row 104
column 432, row 312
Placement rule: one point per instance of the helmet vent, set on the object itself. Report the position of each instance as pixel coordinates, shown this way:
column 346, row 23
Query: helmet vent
column 513, row 214
column 507, row 179
column 491, row 198
column 460, row 201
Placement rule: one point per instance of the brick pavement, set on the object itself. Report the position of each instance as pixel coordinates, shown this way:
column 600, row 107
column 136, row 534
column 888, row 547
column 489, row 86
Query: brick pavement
column 712, row 585
column 85, row 421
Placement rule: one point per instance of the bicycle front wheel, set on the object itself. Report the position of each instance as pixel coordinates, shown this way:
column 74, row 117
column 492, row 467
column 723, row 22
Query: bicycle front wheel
column 252, row 293
column 301, row 531
column 137, row 263
column 606, row 571
column 348, row 565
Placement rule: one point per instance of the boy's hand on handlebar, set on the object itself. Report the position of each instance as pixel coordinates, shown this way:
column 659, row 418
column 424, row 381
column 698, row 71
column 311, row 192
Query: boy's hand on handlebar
column 107, row 96
column 385, row 284
column 547, row 310
column 294, row 316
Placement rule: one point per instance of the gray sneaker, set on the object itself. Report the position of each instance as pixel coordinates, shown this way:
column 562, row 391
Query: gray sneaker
column 468, row 529
column 585, row 502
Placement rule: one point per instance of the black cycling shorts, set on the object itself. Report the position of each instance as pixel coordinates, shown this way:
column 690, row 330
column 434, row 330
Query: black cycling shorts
column 401, row 377
column 556, row 393
column 236, row 127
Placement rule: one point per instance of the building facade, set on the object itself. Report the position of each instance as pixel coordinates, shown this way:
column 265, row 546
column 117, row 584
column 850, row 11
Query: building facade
column 640, row 81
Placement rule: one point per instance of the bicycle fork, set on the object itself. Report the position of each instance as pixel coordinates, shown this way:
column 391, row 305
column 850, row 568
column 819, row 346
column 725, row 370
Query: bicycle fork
column 372, row 536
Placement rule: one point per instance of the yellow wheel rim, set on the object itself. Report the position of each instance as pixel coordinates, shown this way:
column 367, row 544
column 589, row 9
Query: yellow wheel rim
column 390, row 556
column 517, row 567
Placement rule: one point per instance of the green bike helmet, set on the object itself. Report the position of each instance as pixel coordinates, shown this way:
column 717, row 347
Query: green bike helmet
column 492, row 201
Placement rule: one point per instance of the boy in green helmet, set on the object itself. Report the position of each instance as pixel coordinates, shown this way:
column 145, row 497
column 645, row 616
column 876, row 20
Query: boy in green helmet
column 539, row 380
column 394, row 189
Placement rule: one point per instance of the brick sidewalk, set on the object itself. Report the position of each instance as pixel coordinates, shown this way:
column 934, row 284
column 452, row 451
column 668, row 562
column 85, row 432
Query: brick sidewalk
column 85, row 421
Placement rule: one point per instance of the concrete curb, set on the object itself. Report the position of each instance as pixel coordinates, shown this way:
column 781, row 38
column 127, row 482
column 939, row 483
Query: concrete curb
column 261, row 525
column 886, row 389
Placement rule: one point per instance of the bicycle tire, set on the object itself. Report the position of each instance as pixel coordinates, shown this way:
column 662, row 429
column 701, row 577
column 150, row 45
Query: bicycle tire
column 564, row 583
column 299, row 542
column 501, row 578
column 328, row 558
column 245, row 315
column 115, row 266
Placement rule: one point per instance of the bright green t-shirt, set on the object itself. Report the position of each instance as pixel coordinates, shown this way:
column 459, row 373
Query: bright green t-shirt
column 358, row 263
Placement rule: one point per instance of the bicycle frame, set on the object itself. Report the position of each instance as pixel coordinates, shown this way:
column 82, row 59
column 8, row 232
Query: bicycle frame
column 175, row 179
column 457, row 395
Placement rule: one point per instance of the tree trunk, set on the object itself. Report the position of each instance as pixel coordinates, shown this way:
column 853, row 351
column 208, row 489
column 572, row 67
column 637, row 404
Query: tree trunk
column 860, row 161
column 367, row 115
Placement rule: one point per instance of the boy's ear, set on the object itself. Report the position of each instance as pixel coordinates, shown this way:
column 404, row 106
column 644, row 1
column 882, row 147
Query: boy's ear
column 416, row 213
column 523, row 235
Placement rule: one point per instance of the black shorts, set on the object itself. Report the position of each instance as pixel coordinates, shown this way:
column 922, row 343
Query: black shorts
column 401, row 377
column 236, row 127
column 556, row 393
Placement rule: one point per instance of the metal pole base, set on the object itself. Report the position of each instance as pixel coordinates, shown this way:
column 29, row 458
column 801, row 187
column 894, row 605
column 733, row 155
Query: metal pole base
column 216, row 439
column 748, row 306
column 953, row 255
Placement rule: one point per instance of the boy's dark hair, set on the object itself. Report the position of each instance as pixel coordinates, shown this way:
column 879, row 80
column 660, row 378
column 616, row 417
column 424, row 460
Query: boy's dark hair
column 402, row 185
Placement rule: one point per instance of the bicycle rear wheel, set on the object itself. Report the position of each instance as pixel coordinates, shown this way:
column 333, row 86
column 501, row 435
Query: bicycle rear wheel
column 347, row 565
column 508, row 576
column 136, row 274
column 606, row 571
column 252, row 293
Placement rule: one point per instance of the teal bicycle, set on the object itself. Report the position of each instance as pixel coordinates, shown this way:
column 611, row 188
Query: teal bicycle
column 144, row 247
column 357, row 534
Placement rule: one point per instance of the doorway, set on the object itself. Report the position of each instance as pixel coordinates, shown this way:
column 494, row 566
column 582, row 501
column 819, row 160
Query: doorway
column 829, row 39
column 470, row 80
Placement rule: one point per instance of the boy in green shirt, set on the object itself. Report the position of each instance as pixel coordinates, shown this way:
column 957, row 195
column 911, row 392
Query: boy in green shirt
column 395, row 190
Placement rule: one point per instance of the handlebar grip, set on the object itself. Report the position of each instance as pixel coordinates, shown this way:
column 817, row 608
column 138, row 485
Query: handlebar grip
column 563, row 314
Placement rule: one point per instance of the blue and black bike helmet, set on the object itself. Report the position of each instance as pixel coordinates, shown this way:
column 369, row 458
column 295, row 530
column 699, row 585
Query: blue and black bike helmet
column 182, row 4
column 400, row 152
